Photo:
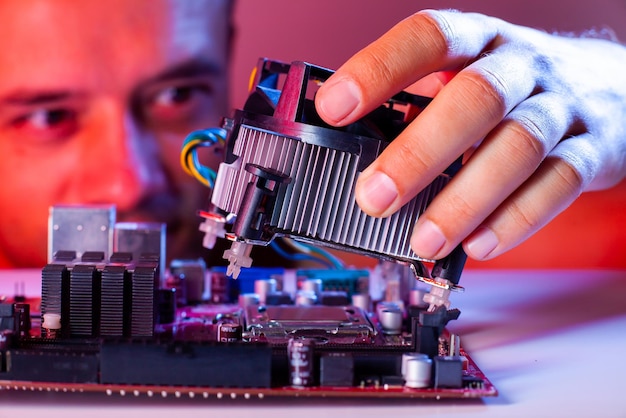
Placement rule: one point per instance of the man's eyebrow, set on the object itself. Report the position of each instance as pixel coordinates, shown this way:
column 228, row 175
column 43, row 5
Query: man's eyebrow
column 197, row 67
column 34, row 97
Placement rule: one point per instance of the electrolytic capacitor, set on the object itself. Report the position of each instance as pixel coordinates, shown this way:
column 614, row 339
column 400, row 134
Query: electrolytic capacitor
column 390, row 320
column 166, row 306
column 301, row 362
column 362, row 301
column 408, row 356
column 418, row 372
column 312, row 285
column 416, row 298
column 263, row 287
column 6, row 340
column 220, row 288
column 248, row 299
column 305, row 298
column 21, row 313
column 229, row 332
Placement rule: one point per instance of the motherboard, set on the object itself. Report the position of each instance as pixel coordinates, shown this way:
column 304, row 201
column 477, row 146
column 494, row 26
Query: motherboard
column 112, row 317
column 272, row 332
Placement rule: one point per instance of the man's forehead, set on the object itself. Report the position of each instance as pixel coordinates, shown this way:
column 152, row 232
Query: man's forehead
column 47, row 40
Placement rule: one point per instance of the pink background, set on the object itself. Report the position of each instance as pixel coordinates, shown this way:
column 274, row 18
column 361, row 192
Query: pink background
column 591, row 233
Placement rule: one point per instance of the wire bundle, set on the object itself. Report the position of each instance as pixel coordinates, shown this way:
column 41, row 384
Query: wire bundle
column 189, row 154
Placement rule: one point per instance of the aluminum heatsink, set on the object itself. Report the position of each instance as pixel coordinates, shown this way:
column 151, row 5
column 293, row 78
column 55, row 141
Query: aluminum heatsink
column 287, row 173
column 318, row 202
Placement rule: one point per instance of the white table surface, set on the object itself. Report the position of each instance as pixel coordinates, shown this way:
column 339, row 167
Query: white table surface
column 552, row 342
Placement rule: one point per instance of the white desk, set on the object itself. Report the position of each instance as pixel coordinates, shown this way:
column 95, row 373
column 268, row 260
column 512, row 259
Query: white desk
column 552, row 342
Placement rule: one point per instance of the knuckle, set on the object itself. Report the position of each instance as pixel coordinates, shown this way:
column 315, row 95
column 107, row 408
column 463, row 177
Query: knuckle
column 526, row 145
column 523, row 216
column 558, row 184
column 487, row 87
column 462, row 208
column 443, row 34
column 577, row 162
column 531, row 136
column 410, row 161
column 378, row 69
column 569, row 179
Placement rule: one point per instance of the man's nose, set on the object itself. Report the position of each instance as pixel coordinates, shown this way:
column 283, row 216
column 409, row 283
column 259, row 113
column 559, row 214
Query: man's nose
column 121, row 163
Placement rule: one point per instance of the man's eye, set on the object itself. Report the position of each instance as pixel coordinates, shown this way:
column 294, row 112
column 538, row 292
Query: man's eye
column 175, row 107
column 172, row 96
column 46, row 124
column 180, row 95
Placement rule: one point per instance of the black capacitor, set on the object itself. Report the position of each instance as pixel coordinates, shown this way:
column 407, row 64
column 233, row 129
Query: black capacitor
column 220, row 288
column 278, row 298
column 7, row 316
column 229, row 332
column 300, row 352
column 178, row 284
column 21, row 313
column 166, row 305
column 6, row 339
column 334, row 298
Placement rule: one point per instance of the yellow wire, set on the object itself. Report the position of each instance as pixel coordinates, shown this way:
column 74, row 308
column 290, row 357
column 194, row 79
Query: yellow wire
column 187, row 160
column 192, row 170
column 185, row 152
column 251, row 79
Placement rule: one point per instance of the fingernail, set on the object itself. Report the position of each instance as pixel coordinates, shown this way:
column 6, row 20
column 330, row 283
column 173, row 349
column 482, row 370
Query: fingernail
column 427, row 239
column 380, row 193
column 482, row 243
column 339, row 100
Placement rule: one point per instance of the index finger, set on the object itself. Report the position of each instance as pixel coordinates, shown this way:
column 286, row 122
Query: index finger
column 423, row 43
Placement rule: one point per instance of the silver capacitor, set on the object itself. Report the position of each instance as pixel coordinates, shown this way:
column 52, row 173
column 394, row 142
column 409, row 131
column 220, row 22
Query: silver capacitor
column 407, row 356
column 263, row 287
column 306, row 298
column 418, row 372
column 416, row 298
column 362, row 301
column 312, row 285
column 390, row 320
column 248, row 299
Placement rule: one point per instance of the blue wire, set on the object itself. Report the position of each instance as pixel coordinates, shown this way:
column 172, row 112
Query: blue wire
column 334, row 261
column 298, row 257
column 209, row 138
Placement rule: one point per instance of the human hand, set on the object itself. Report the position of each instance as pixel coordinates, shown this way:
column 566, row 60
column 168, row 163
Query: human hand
column 543, row 114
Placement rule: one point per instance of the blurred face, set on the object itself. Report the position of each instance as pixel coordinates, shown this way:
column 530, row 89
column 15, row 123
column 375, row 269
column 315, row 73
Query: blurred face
column 95, row 100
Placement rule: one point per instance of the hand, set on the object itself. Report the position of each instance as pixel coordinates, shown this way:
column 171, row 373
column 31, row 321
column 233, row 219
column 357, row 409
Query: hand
column 545, row 116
